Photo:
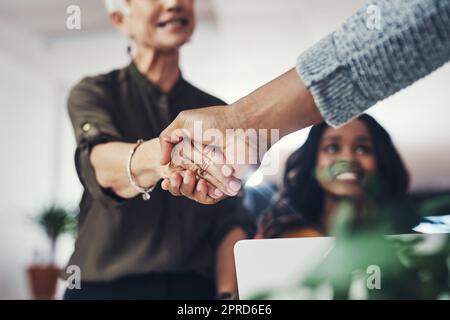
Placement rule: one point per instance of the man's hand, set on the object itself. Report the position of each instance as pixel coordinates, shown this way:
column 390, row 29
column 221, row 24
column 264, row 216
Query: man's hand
column 284, row 104
column 215, row 117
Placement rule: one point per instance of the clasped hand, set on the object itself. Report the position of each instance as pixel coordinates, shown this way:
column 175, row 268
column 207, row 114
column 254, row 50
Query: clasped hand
column 205, row 171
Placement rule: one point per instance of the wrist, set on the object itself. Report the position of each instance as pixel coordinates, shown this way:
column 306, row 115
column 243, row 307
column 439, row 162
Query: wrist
column 132, row 179
column 145, row 165
column 244, row 114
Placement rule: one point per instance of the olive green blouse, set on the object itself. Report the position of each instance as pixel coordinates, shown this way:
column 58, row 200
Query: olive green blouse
column 119, row 237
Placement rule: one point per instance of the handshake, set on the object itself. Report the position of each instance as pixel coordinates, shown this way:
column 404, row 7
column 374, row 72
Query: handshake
column 207, row 152
column 200, row 173
column 203, row 159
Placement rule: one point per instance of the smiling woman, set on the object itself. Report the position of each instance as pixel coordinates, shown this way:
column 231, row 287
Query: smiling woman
column 150, row 24
column 333, row 164
column 158, row 247
column 346, row 160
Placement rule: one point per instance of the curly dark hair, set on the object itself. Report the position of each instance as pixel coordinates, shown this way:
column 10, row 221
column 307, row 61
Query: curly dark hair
column 300, row 203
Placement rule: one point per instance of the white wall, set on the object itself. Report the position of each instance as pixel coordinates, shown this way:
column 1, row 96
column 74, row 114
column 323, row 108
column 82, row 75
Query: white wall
column 252, row 42
column 34, row 158
column 27, row 117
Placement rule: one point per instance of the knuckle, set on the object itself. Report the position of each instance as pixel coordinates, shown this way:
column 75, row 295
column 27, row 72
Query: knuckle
column 181, row 115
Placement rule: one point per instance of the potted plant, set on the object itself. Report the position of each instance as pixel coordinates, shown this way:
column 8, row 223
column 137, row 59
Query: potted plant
column 54, row 220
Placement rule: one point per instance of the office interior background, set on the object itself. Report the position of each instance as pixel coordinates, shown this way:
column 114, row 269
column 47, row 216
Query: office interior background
column 238, row 45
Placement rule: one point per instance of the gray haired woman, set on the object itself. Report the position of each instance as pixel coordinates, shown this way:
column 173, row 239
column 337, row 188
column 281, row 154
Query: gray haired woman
column 135, row 241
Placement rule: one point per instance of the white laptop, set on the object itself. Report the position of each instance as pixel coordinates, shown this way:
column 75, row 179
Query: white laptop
column 279, row 265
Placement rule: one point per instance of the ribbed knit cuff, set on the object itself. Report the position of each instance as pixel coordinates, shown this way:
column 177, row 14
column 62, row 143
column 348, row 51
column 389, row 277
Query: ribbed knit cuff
column 338, row 98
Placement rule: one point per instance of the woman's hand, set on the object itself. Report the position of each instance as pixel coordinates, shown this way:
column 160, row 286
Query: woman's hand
column 185, row 183
column 198, row 174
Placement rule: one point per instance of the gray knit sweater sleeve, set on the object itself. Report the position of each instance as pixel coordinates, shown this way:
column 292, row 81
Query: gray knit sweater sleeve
column 360, row 63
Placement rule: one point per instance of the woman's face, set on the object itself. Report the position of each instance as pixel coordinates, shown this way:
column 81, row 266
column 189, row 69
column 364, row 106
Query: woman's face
column 160, row 24
column 345, row 159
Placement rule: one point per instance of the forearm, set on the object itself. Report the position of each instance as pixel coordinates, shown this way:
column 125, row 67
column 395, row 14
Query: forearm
column 109, row 161
column 225, row 266
column 358, row 65
column 284, row 104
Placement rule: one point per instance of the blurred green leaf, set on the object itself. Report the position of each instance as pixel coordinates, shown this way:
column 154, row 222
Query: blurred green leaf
column 56, row 220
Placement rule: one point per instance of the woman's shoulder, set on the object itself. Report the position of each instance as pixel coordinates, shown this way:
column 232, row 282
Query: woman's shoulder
column 100, row 82
column 94, row 93
column 280, row 216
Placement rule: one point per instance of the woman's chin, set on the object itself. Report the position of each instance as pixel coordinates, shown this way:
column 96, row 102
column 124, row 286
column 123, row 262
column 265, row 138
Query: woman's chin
column 170, row 41
column 347, row 190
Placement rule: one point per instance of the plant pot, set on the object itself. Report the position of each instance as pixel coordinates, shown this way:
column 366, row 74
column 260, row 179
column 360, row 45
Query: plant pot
column 42, row 281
